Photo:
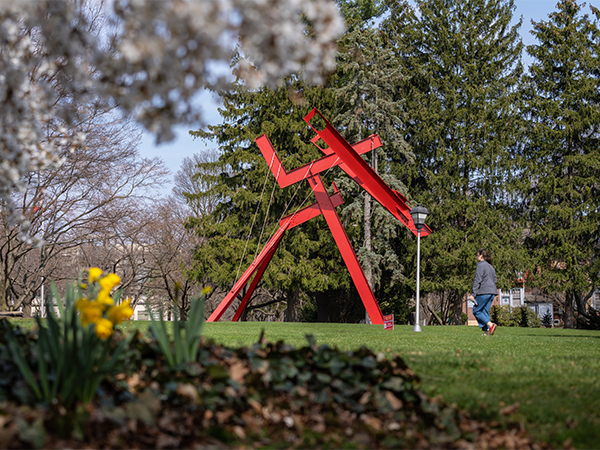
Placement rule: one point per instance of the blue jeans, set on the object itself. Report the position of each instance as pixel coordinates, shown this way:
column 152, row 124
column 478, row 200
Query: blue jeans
column 482, row 310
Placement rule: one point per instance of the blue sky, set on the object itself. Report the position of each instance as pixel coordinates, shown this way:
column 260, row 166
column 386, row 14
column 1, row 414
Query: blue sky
column 184, row 145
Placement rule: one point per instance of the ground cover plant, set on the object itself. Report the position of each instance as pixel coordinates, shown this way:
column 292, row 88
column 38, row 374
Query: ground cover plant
column 267, row 394
column 547, row 379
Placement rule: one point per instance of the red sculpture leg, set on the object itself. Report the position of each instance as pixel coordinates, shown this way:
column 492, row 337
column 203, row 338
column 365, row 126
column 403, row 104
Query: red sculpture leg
column 263, row 266
column 261, row 263
column 343, row 243
column 254, row 267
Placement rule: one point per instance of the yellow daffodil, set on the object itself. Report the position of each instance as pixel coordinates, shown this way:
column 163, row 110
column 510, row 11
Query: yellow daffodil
column 104, row 300
column 90, row 313
column 206, row 290
column 109, row 282
column 119, row 313
column 104, row 328
column 94, row 274
column 81, row 304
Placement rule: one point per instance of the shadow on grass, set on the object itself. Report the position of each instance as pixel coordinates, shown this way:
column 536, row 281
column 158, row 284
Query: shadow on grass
column 564, row 336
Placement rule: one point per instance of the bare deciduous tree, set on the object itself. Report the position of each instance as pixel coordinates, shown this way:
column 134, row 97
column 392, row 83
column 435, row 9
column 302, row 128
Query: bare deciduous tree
column 81, row 205
column 195, row 190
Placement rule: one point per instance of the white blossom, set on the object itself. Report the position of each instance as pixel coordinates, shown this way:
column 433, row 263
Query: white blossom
column 153, row 58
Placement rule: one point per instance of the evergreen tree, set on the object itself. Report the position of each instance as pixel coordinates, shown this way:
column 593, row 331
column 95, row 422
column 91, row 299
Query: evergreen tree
column 563, row 153
column 359, row 13
column 254, row 203
column 306, row 262
column 366, row 90
column 463, row 58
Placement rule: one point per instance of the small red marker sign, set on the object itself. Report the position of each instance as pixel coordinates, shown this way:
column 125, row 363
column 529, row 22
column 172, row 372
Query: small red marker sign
column 388, row 322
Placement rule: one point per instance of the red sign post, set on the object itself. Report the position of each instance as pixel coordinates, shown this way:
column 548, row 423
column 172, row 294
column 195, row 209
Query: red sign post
column 388, row 322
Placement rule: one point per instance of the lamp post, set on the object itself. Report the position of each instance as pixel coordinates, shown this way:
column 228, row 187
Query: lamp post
column 419, row 214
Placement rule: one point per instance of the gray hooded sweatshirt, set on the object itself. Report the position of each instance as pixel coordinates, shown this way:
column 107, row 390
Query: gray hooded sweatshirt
column 485, row 279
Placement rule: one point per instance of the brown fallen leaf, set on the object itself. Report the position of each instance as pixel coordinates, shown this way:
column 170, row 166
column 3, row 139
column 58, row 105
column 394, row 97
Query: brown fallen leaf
column 371, row 421
column 239, row 432
column 167, row 441
column 394, row 401
column 510, row 409
column 238, row 371
column 255, row 405
column 364, row 399
column 189, row 391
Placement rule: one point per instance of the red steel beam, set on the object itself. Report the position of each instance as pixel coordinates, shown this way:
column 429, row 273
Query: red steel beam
column 254, row 267
column 259, row 273
column 285, row 179
column 363, row 174
column 343, row 243
column 311, row 211
column 260, row 264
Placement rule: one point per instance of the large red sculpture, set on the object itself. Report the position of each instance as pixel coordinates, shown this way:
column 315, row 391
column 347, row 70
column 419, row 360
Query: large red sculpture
column 347, row 157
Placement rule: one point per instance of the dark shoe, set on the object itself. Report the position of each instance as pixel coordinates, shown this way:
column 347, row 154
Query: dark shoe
column 493, row 329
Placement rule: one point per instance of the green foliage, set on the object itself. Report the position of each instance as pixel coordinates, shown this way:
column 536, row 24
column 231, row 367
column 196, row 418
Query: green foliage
column 590, row 321
column 562, row 151
column 358, row 12
column 366, row 88
column 308, row 312
column 523, row 316
column 533, row 320
column 547, row 320
column 520, row 316
column 393, row 301
column 500, row 315
column 241, row 225
column 63, row 360
column 186, row 336
column 463, row 125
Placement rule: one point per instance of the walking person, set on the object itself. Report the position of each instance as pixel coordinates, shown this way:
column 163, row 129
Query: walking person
column 484, row 291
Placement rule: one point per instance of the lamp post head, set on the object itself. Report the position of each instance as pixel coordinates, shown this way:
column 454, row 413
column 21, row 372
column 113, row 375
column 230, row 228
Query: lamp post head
column 419, row 214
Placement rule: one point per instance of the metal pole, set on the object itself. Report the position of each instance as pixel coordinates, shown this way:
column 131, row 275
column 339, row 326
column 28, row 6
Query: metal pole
column 417, row 323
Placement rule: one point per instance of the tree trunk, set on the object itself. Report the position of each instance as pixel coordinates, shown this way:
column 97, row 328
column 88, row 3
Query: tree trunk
column 457, row 301
column 184, row 306
column 367, row 268
column 323, row 307
column 581, row 301
column 3, row 294
column 431, row 313
column 568, row 311
column 367, row 214
column 293, row 302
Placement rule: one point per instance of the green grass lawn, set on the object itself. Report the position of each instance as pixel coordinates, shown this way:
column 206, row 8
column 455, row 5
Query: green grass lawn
column 553, row 374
